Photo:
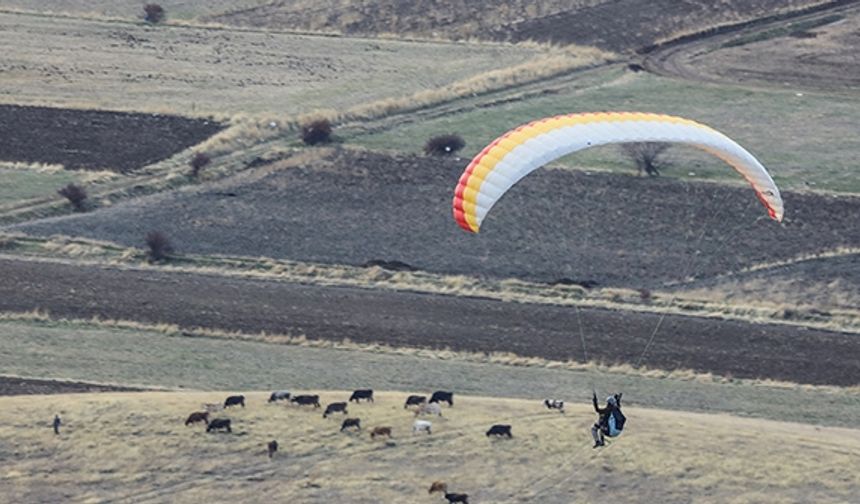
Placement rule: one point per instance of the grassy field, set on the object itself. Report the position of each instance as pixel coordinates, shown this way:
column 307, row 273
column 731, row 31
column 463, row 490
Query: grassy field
column 133, row 9
column 134, row 447
column 806, row 140
column 163, row 357
column 202, row 71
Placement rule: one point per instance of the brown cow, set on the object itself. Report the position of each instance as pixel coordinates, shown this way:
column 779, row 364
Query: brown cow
column 380, row 431
column 438, row 486
column 198, row 416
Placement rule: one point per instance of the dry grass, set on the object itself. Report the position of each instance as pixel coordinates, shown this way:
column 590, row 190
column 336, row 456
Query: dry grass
column 135, row 446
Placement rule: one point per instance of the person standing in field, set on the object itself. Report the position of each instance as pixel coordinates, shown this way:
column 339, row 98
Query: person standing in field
column 57, row 423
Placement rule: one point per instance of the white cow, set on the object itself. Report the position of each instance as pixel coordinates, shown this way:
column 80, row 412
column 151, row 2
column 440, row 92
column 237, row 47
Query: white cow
column 279, row 395
column 429, row 409
column 554, row 404
column 421, row 425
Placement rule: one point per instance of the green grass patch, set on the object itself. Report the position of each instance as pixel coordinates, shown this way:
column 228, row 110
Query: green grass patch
column 806, row 140
column 782, row 31
column 20, row 185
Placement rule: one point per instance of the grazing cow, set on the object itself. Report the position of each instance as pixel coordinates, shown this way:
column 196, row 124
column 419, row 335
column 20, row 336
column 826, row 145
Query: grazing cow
column 219, row 423
column 380, row 431
column 452, row 498
column 422, row 425
column 234, row 400
column 273, row 447
column 198, row 416
column 429, row 409
column 440, row 396
column 358, row 395
column 554, row 404
column 279, row 395
column 212, row 407
column 350, row 422
column 415, row 400
column 334, row 408
column 500, row 430
column 438, row 486
column 304, row 400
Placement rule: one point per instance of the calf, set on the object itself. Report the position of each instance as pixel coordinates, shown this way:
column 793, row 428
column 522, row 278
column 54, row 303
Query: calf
column 452, row 498
column 554, row 404
column 499, row 430
column 380, row 431
column 358, row 395
column 415, row 400
column 334, row 408
column 273, row 447
column 429, row 409
column 279, row 395
column 304, row 400
column 234, row 400
column 440, row 396
column 198, row 416
column 422, row 425
column 350, row 422
column 219, row 423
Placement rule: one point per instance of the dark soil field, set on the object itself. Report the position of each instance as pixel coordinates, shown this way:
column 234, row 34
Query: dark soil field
column 10, row 385
column 351, row 207
column 405, row 319
column 95, row 139
column 624, row 25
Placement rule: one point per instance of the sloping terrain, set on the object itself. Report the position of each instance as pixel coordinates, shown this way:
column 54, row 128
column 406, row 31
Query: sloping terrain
column 135, row 448
column 350, row 207
column 10, row 385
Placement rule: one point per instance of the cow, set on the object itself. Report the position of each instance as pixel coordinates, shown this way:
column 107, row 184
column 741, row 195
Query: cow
column 415, row 400
column 198, row 416
column 219, row 423
column 273, row 447
column 304, row 400
column 452, row 498
column 438, row 486
column 440, row 396
column 334, row 408
column 234, row 400
column 554, row 404
column 212, row 407
column 350, row 422
column 500, row 430
column 429, row 409
column 358, row 395
column 380, row 431
column 279, row 395
column 422, row 425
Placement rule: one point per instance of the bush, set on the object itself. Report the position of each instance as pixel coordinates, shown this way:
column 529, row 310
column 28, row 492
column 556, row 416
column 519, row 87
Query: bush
column 159, row 246
column 153, row 13
column 198, row 162
column 444, row 145
column 75, row 194
column 315, row 132
column 646, row 156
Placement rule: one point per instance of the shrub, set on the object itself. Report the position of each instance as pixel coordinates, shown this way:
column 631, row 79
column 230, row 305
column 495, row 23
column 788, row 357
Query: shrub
column 444, row 145
column 198, row 162
column 159, row 246
column 153, row 13
column 646, row 155
column 315, row 132
column 75, row 194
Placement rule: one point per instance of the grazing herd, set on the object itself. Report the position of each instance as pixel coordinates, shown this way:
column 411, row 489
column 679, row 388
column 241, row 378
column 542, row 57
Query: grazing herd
column 419, row 426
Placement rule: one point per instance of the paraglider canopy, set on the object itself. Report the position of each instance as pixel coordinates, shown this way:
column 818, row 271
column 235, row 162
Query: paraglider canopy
column 518, row 152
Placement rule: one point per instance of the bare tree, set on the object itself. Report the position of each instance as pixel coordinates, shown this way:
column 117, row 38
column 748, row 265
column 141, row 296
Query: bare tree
column 198, row 162
column 76, row 196
column 159, row 246
column 444, row 145
column 646, row 155
column 153, row 13
column 318, row 131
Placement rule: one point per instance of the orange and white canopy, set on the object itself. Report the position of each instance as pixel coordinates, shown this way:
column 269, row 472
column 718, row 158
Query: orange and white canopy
column 521, row 151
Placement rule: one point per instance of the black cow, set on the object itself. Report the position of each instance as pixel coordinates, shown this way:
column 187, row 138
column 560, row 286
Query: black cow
column 304, row 400
column 273, row 447
column 452, row 498
column 499, row 430
column 279, row 395
column 219, row 423
column 554, row 404
column 334, row 408
column 234, row 400
column 415, row 400
column 440, row 396
column 350, row 422
column 362, row 394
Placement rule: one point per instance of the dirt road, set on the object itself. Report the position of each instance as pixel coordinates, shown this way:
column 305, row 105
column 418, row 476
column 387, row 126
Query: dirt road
column 408, row 319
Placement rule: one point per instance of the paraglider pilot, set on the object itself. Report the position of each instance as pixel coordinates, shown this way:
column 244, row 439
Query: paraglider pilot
column 611, row 420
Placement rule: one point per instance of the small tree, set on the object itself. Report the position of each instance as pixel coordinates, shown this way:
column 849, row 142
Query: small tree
column 444, row 145
column 159, row 246
column 198, row 162
column 646, row 155
column 153, row 13
column 315, row 132
column 75, row 194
